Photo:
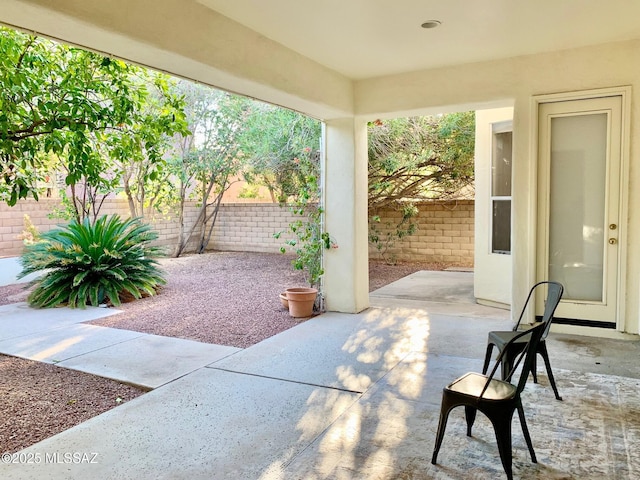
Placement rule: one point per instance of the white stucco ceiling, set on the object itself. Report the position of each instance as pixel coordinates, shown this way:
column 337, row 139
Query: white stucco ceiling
column 371, row 38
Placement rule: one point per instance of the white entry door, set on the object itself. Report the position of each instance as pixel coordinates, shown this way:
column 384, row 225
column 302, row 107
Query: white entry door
column 579, row 203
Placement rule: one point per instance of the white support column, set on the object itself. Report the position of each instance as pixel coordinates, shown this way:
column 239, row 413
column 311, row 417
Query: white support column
column 524, row 205
column 346, row 278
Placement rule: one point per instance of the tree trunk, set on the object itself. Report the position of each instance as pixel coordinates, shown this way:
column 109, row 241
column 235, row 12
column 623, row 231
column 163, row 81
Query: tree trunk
column 204, row 241
column 180, row 243
column 126, row 179
column 183, row 238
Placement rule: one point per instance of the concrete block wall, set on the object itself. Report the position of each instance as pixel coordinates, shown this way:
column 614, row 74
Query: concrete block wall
column 239, row 227
column 12, row 222
column 445, row 229
column 445, row 233
column 167, row 227
column 250, row 227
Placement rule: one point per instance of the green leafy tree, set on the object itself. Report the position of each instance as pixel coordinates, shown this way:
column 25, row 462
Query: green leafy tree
column 283, row 154
column 89, row 184
column 274, row 141
column 139, row 149
column 207, row 160
column 416, row 158
column 105, row 124
column 282, row 149
column 129, row 157
column 419, row 158
column 52, row 99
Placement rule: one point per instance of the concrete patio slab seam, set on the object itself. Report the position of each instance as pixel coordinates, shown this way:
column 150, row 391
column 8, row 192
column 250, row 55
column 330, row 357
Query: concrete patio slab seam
column 285, row 380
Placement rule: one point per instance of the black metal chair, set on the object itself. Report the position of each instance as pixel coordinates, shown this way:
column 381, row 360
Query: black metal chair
column 501, row 338
column 497, row 399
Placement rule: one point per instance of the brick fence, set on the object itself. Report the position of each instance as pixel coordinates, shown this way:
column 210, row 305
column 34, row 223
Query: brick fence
column 444, row 229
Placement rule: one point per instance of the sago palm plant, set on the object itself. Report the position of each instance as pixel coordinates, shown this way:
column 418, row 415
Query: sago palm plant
column 88, row 264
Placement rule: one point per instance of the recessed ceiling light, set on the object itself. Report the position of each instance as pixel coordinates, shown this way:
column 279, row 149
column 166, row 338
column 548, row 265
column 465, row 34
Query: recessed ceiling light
column 431, row 24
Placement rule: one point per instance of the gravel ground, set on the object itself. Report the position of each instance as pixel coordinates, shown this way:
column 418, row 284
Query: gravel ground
column 40, row 400
column 225, row 298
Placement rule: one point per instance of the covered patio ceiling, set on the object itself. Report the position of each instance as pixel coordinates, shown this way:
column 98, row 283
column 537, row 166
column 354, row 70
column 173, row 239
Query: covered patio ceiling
column 314, row 56
column 362, row 39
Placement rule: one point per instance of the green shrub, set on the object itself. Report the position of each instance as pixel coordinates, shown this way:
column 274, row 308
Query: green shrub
column 90, row 263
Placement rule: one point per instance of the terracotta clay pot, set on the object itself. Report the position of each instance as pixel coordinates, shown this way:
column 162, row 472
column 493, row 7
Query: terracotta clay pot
column 301, row 301
column 284, row 301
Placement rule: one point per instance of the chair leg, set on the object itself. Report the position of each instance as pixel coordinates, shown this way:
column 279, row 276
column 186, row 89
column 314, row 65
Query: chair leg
column 502, row 427
column 470, row 416
column 487, row 358
column 442, row 425
column 542, row 348
column 534, row 368
column 525, row 431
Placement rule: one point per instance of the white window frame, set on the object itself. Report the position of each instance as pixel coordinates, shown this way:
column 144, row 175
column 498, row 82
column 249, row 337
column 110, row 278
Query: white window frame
column 497, row 128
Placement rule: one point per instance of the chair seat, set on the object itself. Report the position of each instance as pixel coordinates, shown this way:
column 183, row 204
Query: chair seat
column 471, row 384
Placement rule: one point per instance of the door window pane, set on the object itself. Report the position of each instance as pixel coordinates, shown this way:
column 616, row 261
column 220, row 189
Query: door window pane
column 577, row 204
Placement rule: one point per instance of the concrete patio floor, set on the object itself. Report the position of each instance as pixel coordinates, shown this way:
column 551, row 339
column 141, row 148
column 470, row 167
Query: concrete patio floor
column 338, row 396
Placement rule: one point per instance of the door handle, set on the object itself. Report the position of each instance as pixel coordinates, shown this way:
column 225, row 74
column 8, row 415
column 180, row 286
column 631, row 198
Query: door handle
column 613, row 241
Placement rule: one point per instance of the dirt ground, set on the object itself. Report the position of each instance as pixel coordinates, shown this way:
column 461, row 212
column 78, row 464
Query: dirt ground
column 226, row 298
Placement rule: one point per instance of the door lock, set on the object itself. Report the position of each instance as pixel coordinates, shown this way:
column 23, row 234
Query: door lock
column 613, row 241
column 613, row 226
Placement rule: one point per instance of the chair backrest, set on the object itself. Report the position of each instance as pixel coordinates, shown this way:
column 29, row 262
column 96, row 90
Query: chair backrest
column 528, row 354
column 554, row 295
